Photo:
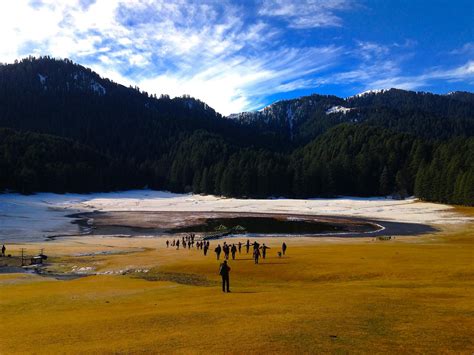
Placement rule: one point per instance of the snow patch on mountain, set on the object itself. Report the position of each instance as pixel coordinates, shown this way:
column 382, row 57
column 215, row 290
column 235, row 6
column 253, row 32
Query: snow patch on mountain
column 97, row 88
column 368, row 92
column 338, row 109
column 42, row 79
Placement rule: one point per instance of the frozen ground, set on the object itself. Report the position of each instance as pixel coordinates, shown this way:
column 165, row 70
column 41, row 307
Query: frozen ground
column 26, row 218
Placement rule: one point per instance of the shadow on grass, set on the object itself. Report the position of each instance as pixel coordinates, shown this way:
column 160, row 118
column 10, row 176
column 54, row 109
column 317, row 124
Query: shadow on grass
column 180, row 278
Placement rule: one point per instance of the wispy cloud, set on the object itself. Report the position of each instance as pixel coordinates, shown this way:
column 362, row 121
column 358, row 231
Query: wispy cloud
column 209, row 50
column 231, row 55
column 306, row 13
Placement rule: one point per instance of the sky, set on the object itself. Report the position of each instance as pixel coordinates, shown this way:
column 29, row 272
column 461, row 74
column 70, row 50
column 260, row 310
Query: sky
column 243, row 55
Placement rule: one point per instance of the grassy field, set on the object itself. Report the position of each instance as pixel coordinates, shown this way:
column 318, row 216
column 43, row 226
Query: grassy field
column 411, row 295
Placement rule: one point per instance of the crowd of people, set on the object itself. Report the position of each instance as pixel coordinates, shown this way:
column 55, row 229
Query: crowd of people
column 229, row 250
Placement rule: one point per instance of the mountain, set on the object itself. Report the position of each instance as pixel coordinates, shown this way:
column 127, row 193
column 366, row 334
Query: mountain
column 303, row 119
column 65, row 128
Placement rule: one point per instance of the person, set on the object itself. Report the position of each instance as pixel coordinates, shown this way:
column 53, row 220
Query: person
column 283, row 248
column 240, row 247
column 264, row 250
column 218, row 251
column 167, row 243
column 177, row 245
column 247, row 246
column 206, row 246
column 226, row 250
column 3, row 250
column 233, row 250
column 256, row 255
column 224, row 270
column 256, row 245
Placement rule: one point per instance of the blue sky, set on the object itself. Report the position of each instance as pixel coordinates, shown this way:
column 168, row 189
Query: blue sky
column 243, row 55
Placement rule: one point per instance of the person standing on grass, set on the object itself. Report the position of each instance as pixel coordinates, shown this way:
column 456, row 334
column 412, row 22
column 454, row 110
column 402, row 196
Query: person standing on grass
column 247, row 246
column 255, row 245
column 218, row 251
column 3, row 249
column 256, row 255
column 264, row 250
column 206, row 246
column 224, row 270
column 167, row 243
column 233, row 250
column 283, row 248
column 226, row 251
column 240, row 247
column 177, row 245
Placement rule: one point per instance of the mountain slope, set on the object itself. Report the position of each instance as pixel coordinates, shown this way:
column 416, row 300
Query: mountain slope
column 75, row 131
column 426, row 114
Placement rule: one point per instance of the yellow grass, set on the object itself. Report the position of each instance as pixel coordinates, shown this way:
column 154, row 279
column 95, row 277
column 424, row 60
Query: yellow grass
column 411, row 295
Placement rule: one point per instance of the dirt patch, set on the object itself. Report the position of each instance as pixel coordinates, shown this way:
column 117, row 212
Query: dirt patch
column 180, row 278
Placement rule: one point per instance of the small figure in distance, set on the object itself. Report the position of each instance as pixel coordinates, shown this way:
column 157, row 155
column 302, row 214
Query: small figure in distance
column 255, row 245
column 218, row 251
column 173, row 243
column 177, row 245
column 247, row 245
column 264, row 250
column 206, row 246
column 3, row 249
column 256, row 255
column 167, row 243
column 224, row 270
column 283, row 248
column 240, row 247
column 233, row 250
column 226, row 250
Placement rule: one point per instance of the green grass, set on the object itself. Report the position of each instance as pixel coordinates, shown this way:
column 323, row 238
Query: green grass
column 410, row 295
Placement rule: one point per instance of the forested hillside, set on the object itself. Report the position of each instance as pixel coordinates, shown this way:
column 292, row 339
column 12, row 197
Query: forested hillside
column 67, row 129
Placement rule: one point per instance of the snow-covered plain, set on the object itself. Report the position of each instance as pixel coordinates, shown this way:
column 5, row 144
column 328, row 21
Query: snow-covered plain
column 26, row 218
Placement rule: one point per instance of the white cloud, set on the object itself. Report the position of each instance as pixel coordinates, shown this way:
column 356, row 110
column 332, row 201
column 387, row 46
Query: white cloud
column 305, row 13
column 214, row 50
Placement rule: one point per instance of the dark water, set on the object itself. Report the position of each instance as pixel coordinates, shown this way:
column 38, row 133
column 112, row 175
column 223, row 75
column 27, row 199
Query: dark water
column 262, row 225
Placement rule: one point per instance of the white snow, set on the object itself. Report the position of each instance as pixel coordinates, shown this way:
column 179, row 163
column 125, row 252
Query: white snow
column 33, row 217
column 97, row 88
column 290, row 117
column 42, row 78
column 337, row 109
column 369, row 92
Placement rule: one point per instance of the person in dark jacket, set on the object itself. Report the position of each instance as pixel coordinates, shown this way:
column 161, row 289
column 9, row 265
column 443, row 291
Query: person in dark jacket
column 218, row 251
column 226, row 250
column 256, row 255
column 224, row 270
column 240, row 247
column 247, row 246
column 283, row 248
column 264, row 250
column 233, row 250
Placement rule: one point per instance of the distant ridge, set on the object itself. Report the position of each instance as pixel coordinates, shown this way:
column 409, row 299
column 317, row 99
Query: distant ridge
column 63, row 128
